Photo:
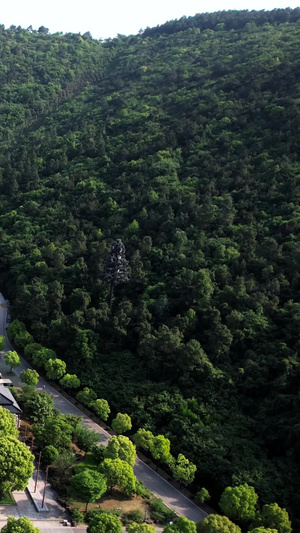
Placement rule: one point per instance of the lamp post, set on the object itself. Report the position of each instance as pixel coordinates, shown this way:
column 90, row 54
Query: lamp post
column 37, row 471
column 44, row 491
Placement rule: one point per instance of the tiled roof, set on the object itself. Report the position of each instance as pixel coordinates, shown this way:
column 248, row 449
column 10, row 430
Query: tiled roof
column 8, row 401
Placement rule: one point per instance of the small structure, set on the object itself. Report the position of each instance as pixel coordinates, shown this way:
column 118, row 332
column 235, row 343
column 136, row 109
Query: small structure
column 8, row 401
column 5, row 382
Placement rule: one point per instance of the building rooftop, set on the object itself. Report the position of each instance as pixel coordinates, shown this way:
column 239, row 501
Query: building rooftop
column 8, row 401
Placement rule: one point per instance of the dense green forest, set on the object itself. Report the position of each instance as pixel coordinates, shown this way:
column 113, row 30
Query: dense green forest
column 183, row 141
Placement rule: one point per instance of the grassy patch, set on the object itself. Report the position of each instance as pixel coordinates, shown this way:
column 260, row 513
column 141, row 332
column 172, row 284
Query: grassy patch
column 7, row 499
column 115, row 502
column 90, row 462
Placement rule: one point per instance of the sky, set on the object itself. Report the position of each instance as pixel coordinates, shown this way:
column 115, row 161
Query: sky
column 107, row 18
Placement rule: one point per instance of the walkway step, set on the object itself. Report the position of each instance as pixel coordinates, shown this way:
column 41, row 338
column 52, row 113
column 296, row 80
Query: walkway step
column 36, row 496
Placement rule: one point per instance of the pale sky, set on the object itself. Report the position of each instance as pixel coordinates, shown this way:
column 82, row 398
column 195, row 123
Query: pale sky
column 107, row 18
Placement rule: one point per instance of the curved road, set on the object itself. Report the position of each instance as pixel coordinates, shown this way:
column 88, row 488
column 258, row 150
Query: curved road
column 153, row 481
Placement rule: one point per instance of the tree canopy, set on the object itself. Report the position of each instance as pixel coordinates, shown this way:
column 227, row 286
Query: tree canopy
column 121, row 447
column 272, row 516
column 101, row 408
column 12, row 359
column 88, row 486
column 55, row 368
column 30, row 377
column 16, row 464
column 105, row 523
column 181, row 525
column 118, row 473
column 239, row 502
column 122, row 423
column 140, row 528
column 217, row 524
column 7, row 423
column 19, row 525
column 163, row 166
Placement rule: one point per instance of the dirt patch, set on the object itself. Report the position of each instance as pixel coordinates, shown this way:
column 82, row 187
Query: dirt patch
column 25, row 432
column 116, row 501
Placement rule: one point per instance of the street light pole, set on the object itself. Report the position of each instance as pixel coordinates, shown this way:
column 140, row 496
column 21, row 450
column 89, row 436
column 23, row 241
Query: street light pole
column 37, row 471
column 44, row 492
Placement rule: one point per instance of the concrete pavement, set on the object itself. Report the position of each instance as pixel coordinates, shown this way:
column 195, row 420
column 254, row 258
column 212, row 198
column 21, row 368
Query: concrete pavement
column 51, row 526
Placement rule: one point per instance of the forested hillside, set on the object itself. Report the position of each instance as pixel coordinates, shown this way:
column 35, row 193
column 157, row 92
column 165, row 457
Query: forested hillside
column 183, row 141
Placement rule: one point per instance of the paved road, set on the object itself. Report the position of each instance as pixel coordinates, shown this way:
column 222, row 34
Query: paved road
column 159, row 486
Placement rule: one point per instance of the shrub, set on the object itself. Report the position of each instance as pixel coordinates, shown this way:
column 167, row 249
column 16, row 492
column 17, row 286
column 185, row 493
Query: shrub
column 49, row 455
column 85, row 438
column 16, row 327
column 160, row 512
column 90, row 515
column 77, row 516
column 31, row 349
column 142, row 491
column 133, row 516
column 22, row 339
column 203, row 495
column 98, row 452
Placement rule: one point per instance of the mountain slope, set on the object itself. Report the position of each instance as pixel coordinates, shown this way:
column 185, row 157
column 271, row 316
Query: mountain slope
column 183, row 142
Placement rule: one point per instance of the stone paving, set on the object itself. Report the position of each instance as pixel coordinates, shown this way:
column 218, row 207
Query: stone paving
column 25, row 505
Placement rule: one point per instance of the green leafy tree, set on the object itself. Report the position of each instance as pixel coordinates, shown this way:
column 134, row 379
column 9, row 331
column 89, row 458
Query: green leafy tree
column 214, row 523
column 30, row 377
column 141, row 528
column 182, row 525
column 101, row 408
column 56, row 431
column 42, row 356
column 239, row 502
column 118, row 473
column 16, row 464
column 12, row 359
column 55, row 368
column 160, row 449
column 85, row 438
column 221, row 251
column 274, row 517
column 116, row 269
column 121, row 447
column 38, row 406
column 2, row 342
column 143, row 438
column 7, row 423
column 50, row 454
column 70, row 381
column 14, row 328
column 19, row 525
column 160, row 512
column 203, row 495
column 105, row 523
column 86, row 396
column 88, row 486
column 22, row 339
column 121, row 423
column 64, row 462
column 31, row 349
column 183, row 470
column 263, row 530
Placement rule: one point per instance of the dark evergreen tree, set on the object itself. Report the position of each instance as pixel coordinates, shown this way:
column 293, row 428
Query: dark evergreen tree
column 116, row 269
